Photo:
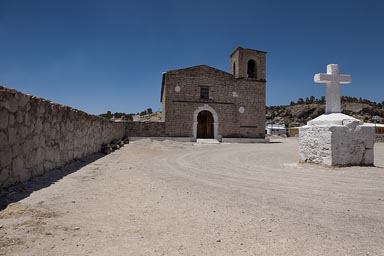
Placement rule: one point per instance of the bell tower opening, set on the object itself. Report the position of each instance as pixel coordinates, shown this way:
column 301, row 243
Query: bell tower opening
column 234, row 69
column 248, row 63
column 251, row 69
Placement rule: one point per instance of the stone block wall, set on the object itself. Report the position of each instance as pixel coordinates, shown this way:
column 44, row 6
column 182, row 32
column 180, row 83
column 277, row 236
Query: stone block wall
column 239, row 62
column 337, row 145
column 239, row 103
column 37, row 135
column 146, row 129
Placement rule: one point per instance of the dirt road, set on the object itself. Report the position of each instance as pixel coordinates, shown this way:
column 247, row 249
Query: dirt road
column 172, row 198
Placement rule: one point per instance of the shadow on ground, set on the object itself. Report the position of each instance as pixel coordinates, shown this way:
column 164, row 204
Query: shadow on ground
column 22, row 190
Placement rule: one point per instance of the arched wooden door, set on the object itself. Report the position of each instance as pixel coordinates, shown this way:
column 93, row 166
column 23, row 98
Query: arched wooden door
column 205, row 125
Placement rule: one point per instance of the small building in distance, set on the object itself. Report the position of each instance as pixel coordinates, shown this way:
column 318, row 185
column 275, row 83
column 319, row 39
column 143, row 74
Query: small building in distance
column 276, row 129
column 205, row 102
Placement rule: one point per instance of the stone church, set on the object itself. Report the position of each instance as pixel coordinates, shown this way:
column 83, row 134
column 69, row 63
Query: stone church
column 205, row 102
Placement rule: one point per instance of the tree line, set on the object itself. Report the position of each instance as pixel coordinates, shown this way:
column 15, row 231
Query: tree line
column 344, row 99
column 125, row 116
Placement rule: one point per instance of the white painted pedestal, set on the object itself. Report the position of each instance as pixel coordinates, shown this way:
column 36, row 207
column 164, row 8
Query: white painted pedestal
column 337, row 140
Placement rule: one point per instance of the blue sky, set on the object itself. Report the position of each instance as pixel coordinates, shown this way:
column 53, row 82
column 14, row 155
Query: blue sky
column 109, row 55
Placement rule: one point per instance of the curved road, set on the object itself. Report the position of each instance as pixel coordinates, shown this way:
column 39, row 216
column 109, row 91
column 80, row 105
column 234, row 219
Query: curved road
column 172, row 198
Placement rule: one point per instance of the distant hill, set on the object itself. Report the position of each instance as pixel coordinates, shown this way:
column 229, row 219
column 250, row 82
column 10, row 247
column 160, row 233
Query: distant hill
column 300, row 112
column 121, row 116
column 152, row 117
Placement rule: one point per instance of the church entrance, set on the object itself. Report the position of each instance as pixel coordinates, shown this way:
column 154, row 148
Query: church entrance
column 205, row 125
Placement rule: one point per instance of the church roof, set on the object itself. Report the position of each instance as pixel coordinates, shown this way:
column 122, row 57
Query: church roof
column 199, row 67
column 191, row 68
column 242, row 48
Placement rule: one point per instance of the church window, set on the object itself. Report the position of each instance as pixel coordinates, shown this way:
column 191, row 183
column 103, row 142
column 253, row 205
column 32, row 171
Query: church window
column 204, row 92
column 252, row 70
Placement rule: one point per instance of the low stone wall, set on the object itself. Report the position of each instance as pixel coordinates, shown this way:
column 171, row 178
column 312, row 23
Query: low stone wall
column 146, row 129
column 379, row 137
column 37, row 135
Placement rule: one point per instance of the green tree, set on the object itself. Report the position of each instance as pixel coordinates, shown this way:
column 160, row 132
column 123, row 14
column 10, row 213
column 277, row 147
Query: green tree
column 312, row 99
column 107, row 115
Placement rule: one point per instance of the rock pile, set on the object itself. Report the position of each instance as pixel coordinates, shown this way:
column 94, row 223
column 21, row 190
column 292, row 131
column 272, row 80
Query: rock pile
column 114, row 145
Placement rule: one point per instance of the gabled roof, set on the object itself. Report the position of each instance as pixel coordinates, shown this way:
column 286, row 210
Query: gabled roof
column 198, row 67
column 191, row 69
column 239, row 48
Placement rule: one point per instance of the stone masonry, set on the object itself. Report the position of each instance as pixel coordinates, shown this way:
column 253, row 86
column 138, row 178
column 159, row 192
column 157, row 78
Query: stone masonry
column 336, row 139
column 145, row 129
column 37, row 135
column 236, row 100
column 342, row 142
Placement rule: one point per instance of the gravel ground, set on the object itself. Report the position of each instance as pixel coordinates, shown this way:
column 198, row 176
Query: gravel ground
column 173, row 198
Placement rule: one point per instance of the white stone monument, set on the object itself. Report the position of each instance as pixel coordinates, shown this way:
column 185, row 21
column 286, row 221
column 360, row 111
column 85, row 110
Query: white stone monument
column 336, row 139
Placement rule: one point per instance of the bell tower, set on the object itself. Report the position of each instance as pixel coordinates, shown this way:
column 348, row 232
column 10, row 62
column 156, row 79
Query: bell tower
column 248, row 64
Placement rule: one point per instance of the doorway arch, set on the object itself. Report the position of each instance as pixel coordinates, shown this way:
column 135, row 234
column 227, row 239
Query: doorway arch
column 205, row 107
column 204, row 125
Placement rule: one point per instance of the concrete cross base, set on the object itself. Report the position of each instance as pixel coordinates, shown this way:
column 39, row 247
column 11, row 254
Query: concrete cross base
column 337, row 140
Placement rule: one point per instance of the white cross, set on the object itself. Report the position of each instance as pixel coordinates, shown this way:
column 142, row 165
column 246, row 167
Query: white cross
column 333, row 80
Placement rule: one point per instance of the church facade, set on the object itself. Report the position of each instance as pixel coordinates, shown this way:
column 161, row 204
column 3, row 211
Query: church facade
column 204, row 102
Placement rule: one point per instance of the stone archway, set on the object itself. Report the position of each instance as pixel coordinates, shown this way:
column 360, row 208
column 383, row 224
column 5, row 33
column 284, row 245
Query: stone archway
column 205, row 125
column 205, row 107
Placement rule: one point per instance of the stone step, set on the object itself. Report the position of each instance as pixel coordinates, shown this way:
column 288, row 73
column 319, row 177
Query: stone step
column 208, row 141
